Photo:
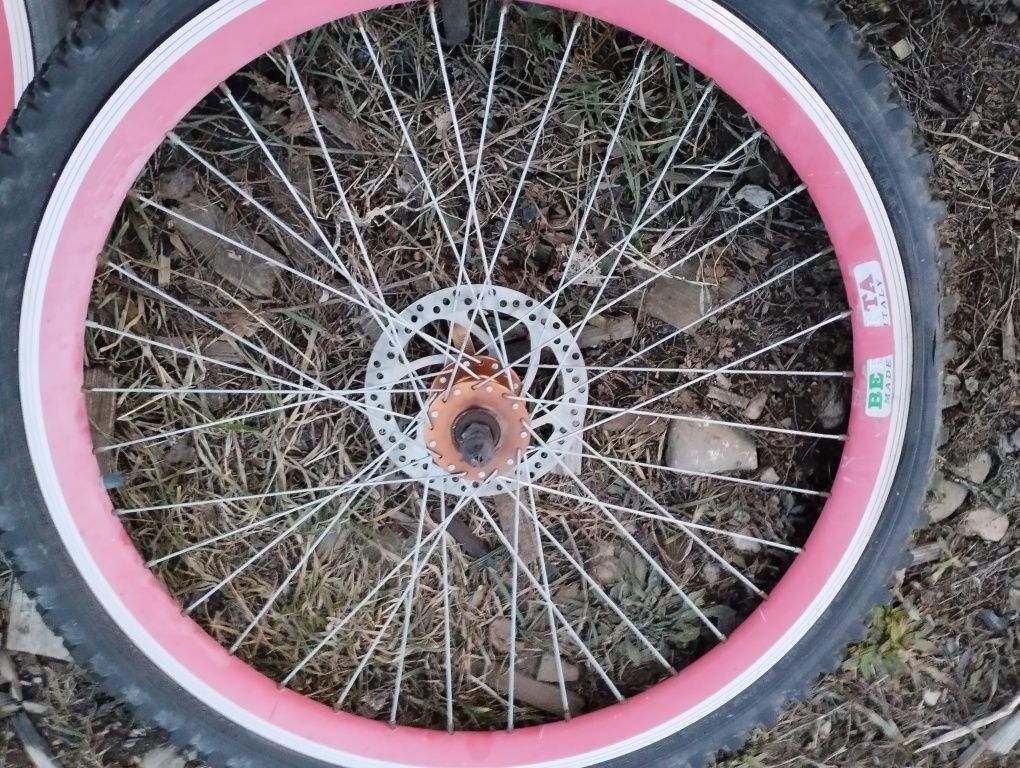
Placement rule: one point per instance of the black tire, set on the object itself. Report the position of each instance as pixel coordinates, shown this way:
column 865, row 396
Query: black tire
column 89, row 65
column 49, row 21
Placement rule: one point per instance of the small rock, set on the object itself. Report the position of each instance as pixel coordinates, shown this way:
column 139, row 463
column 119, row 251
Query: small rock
column 903, row 49
column 163, row 757
column 176, row 185
column 993, row 621
column 946, row 498
column 1014, row 600
column 978, row 468
column 972, row 385
column 985, row 523
column 238, row 267
column 547, row 670
column 756, row 407
column 729, row 398
column 926, row 553
column 745, row 545
column 680, row 303
column 606, row 565
column 1010, row 17
column 769, row 475
column 605, row 331
column 699, row 447
column 755, row 196
column 950, row 350
column 930, row 697
column 711, row 573
column 950, row 391
column 499, row 634
column 831, row 407
column 1014, row 439
column 28, row 633
column 540, row 695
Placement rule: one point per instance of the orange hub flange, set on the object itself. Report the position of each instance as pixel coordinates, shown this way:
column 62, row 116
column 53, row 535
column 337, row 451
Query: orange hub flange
column 476, row 425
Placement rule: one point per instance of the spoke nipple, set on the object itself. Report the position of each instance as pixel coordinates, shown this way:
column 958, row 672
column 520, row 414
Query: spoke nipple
column 524, row 435
column 442, row 379
column 432, row 444
column 435, row 414
column 481, row 475
column 451, row 467
column 456, row 392
column 516, row 406
column 509, row 462
column 489, row 388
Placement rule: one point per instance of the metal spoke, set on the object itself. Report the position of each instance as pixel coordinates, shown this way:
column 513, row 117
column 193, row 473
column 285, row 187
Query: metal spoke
column 722, row 369
column 329, row 394
column 703, row 475
column 394, row 610
column 543, row 571
column 706, row 373
column 693, row 536
column 695, row 419
column 640, row 218
column 553, row 300
column 384, row 82
column 471, row 180
column 233, row 499
column 629, row 537
column 366, row 471
column 512, row 650
column 334, row 261
column 340, row 624
column 462, row 276
column 542, row 530
column 624, row 242
column 258, row 555
column 349, row 212
column 662, row 518
column 272, row 518
column 261, row 350
column 282, row 392
column 534, row 146
column 447, row 633
column 696, row 252
column 437, row 344
column 208, row 425
column 527, row 165
column 408, row 607
column 693, row 371
column 545, row 595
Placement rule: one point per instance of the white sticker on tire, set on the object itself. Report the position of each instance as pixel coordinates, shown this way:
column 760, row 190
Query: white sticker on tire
column 879, row 375
column 871, row 294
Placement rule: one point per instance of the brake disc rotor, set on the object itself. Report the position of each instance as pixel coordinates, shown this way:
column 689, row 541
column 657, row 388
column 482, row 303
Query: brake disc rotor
column 392, row 369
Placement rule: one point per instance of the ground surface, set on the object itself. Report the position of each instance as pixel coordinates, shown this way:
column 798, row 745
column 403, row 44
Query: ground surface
column 944, row 655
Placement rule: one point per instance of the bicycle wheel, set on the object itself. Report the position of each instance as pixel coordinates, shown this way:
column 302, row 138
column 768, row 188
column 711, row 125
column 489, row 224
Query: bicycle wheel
column 17, row 60
column 29, row 30
column 561, row 398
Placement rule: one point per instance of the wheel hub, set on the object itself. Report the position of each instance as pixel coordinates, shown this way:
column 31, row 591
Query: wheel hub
column 478, row 431
column 476, row 424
